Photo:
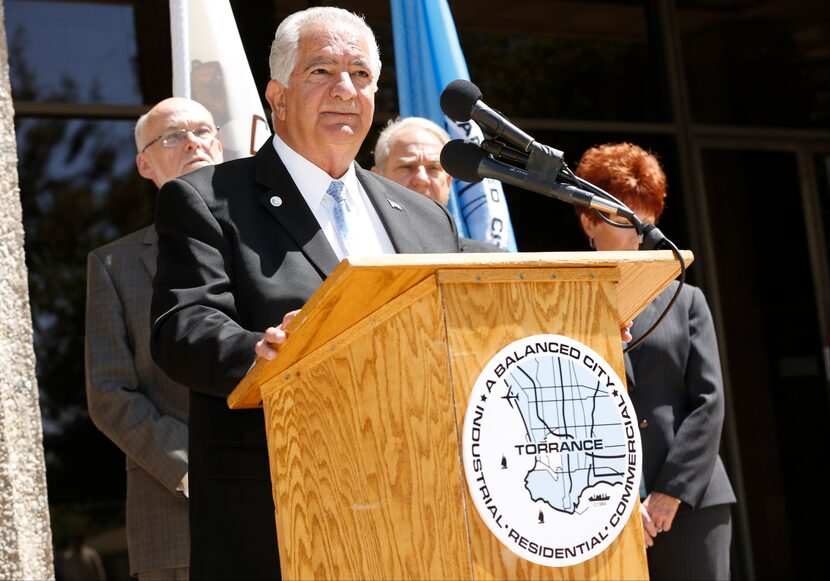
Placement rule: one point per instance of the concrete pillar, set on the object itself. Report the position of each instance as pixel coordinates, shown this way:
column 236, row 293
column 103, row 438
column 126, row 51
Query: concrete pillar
column 25, row 535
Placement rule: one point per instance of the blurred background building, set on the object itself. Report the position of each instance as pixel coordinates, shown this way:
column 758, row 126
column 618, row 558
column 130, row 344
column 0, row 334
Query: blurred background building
column 733, row 95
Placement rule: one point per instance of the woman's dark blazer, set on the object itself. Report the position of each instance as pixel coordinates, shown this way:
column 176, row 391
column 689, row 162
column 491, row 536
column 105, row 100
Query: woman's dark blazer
column 675, row 383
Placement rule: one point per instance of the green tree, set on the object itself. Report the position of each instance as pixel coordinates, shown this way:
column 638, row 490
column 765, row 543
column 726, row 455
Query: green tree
column 79, row 189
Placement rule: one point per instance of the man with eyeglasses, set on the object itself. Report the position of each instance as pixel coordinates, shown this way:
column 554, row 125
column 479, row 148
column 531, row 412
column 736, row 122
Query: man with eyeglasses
column 176, row 137
column 130, row 399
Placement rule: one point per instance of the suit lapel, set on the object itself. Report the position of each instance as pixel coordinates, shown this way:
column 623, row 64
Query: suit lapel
column 149, row 250
column 392, row 212
column 285, row 203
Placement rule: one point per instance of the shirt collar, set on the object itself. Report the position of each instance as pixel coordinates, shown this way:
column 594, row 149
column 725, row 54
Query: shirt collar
column 310, row 179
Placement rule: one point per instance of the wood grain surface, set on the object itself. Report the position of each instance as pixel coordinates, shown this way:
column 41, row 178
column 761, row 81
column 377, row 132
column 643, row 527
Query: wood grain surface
column 482, row 317
column 365, row 465
column 365, row 402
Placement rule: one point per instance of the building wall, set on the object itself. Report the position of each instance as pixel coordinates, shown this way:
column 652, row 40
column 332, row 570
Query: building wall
column 733, row 95
column 25, row 535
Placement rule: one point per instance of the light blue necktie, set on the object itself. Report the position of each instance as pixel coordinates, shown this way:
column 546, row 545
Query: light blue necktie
column 342, row 212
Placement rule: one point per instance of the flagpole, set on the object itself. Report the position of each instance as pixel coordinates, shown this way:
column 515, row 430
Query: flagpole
column 180, row 45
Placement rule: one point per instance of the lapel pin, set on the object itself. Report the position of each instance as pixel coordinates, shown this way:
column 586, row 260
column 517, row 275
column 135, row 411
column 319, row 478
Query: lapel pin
column 394, row 204
column 276, row 201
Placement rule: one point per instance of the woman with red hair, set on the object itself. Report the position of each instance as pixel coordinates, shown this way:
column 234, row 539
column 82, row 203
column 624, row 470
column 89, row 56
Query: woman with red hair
column 675, row 382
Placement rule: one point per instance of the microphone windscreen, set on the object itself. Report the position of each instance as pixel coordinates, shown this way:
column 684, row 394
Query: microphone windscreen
column 458, row 99
column 461, row 159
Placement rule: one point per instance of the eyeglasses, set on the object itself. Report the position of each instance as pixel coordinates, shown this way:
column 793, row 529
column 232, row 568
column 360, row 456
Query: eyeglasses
column 175, row 138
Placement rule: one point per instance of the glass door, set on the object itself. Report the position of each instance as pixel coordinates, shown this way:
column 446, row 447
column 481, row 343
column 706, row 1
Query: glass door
column 764, row 234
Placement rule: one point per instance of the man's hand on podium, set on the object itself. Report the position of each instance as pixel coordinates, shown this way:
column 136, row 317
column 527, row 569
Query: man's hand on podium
column 267, row 347
column 625, row 332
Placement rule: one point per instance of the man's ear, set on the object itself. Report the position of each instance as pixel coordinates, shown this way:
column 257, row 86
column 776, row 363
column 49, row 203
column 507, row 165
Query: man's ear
column 275, row 95
column 221, row 150
column 145, row 168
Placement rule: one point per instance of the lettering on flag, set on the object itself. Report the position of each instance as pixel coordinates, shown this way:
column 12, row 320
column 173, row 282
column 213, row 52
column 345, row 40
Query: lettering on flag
column 482, row 204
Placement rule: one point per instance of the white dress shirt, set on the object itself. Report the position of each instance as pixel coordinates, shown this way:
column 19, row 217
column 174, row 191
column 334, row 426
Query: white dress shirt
column 367, row 229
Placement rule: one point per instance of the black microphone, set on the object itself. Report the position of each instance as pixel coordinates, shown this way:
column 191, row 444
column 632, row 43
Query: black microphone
column 461, row 101
column 466, row 161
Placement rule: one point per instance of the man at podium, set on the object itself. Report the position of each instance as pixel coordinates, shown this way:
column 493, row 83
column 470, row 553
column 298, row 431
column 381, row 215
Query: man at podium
column 243, row 243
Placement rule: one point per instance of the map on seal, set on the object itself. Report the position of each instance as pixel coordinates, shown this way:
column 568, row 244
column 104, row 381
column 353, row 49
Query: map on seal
column 552, row 452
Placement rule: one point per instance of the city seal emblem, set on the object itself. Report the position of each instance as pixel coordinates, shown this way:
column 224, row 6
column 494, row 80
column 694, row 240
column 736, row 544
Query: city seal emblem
column 552, row 451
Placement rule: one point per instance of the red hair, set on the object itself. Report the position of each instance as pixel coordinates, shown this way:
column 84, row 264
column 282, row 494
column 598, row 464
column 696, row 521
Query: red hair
column 627, row 172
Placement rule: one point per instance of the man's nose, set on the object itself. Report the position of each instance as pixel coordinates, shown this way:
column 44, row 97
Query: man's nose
column 191, row 142
column 344, row 87
column 420, row 176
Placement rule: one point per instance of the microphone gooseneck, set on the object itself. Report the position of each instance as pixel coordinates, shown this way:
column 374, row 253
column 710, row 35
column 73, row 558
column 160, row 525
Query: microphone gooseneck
column 466, row 161
column 540, row 171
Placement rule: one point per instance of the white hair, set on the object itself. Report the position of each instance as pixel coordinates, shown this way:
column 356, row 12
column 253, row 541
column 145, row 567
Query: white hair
column 139, row 130
column 283, row 57
column 382, row 146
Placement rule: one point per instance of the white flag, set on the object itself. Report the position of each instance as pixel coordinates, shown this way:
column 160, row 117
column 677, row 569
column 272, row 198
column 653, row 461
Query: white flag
column 210, row 66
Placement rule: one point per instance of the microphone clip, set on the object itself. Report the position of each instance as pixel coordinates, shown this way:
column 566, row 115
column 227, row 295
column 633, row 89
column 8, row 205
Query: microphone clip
column 545, row 161
column 504, row 152
column 651, row 238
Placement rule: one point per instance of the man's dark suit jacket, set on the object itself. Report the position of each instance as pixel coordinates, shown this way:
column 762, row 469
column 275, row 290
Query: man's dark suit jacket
column 676, row 387
column 239, row 248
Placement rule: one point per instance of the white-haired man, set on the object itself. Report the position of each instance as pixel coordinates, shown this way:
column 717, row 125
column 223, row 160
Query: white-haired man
column 243, row 245
column 408, row 152
column 130, row 399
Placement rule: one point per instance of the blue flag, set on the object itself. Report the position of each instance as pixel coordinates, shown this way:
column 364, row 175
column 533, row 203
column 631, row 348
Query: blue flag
column 428, row 57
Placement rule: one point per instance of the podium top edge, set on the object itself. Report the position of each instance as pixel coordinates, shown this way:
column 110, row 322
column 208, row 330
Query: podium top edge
column 410, row 269
column 516, row 259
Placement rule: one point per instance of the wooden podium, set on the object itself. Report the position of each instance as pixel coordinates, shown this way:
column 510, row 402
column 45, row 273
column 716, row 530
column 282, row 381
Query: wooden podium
column 365, row 402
